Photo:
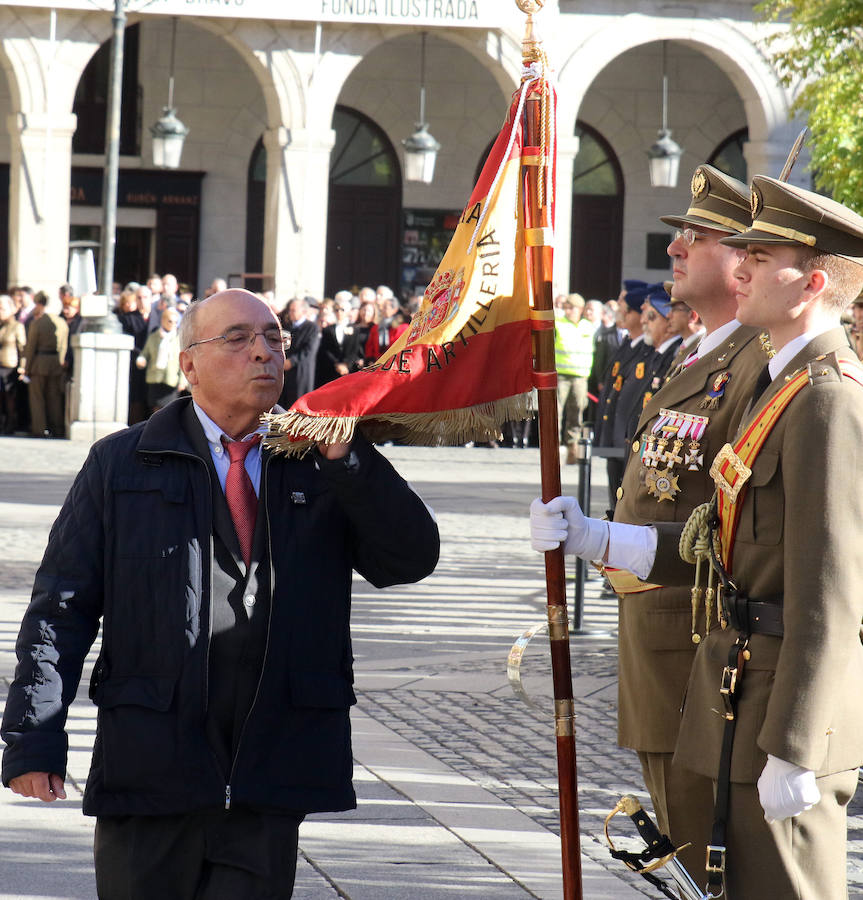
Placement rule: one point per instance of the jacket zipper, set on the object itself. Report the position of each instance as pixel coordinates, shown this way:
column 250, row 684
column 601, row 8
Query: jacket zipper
column 264, row 477
column 206, row 678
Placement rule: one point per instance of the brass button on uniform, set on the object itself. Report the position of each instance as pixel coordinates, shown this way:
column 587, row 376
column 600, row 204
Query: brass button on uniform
column 619, row 493
column 635, row 446
column 249, row 600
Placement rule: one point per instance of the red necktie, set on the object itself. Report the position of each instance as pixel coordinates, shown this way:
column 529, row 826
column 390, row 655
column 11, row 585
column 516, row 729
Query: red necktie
column 240, row 494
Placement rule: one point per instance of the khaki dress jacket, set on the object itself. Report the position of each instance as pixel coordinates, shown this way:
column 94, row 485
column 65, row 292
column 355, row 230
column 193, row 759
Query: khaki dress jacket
column 655, row 630
column 798, row 545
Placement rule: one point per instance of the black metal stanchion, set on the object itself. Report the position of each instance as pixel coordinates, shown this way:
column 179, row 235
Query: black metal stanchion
column 584, row 453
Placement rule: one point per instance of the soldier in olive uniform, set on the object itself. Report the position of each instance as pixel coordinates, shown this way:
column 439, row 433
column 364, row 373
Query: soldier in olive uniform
column 679, row 432
column 790, row 660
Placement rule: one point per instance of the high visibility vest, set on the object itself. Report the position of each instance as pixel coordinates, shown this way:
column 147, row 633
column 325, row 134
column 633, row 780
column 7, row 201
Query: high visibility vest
column 573, row 347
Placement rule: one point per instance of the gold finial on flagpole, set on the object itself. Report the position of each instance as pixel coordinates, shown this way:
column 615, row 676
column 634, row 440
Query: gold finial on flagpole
column 530, row 45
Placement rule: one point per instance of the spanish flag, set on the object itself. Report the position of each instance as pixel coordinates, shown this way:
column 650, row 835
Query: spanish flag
column 464, row 366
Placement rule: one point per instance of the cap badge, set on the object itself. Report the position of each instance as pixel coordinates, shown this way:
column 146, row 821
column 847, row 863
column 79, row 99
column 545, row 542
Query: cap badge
column 699, row 184
column 755, row 202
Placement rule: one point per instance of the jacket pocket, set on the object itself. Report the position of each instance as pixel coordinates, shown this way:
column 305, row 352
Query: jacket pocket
column 150, row 521
column 147, row 617
column 762, row 517
column 137, row 732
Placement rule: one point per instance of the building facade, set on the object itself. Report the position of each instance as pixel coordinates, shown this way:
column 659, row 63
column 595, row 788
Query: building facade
column 292, row 172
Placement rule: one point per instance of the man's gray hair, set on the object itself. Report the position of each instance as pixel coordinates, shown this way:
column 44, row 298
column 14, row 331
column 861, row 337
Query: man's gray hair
column 187, row 329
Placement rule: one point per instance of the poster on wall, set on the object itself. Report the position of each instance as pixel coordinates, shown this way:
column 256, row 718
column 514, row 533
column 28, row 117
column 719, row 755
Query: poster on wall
column 426, row 233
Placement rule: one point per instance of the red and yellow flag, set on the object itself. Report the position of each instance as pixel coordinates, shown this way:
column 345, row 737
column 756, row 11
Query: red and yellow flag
column 464, row 365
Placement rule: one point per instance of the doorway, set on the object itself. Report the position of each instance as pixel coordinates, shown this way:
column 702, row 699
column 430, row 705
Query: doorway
column 597, row 217
column 363, row 225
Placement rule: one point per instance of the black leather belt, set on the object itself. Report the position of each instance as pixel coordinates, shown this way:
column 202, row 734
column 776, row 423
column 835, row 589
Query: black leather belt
column 753, row 616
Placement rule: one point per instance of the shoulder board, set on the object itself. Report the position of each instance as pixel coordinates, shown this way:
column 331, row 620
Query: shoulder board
column 852, row 371
column 830, row 368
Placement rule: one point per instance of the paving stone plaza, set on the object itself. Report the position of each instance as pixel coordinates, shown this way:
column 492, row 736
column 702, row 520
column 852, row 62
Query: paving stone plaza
column 456, row 776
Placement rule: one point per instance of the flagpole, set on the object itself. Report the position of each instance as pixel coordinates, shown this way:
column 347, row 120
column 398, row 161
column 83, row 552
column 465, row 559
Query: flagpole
column 540, row 254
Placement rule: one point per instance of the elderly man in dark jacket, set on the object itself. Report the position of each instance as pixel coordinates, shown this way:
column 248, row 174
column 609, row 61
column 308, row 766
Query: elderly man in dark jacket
column 224, row 679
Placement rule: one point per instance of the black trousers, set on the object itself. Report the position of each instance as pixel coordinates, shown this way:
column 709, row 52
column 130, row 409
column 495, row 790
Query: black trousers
column 215, row 855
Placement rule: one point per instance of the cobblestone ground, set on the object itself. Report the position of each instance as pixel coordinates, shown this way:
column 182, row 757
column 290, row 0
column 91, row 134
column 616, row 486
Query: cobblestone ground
column 507, row 747
column 488, row 735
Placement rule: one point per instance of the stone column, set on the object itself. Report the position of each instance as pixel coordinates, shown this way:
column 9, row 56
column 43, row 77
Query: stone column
column 39, row 186
column 567, row 150
column 295, row 225
column 99, row 401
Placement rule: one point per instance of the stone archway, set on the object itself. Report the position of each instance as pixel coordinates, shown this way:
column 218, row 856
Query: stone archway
column 42, row 57
column 612, row 81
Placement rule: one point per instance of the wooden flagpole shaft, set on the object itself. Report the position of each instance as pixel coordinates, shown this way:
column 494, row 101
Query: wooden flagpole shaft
column 555, row 573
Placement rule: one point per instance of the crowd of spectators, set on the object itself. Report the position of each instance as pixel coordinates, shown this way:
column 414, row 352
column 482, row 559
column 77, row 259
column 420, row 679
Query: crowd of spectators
column 35, row 360
column 330, row 338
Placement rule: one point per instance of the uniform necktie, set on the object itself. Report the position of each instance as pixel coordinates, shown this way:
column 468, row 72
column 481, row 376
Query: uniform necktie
column 761, row 384
column 240, row 493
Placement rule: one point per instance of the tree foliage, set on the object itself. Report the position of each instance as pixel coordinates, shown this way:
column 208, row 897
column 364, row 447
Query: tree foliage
column 821, row 58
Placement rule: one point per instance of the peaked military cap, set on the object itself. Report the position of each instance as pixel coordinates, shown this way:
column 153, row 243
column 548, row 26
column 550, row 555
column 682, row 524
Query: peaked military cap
column 659, row 299
column 786, row 214
column 635, row 296
column 718, row 201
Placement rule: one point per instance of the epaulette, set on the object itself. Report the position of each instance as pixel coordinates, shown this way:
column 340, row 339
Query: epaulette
column 824, row 369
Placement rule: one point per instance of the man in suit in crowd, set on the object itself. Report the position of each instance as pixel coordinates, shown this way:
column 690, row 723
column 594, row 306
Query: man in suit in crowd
column 301, row 356
column 47, row 341
column 679, row 431
column 224, row 678
column 339, row 351
column 606, row 340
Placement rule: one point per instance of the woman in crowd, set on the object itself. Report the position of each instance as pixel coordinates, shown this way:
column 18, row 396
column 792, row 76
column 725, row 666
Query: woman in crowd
column 365, row 320
column 160, row 360
column 12, row 342
column 133, row 317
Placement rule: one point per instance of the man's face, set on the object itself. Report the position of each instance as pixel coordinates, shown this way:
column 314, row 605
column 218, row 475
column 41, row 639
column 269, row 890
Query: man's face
column 572, row 311
column 631, row 319
column 233, row 385
column 857, row 315
column 169, row 285
column 297, row 311
column 770, row 285
column 655, row 326
column 155, row 285
column 678, row 319
column 170, row 317
column 144, row 298
column 703, row 270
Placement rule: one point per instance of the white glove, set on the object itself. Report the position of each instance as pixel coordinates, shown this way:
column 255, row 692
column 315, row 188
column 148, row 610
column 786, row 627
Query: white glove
column 786, row 790
column 561, row 520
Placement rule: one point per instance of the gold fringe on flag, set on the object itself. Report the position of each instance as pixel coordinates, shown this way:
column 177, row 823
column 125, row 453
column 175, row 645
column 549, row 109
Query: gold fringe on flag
column 294, row 433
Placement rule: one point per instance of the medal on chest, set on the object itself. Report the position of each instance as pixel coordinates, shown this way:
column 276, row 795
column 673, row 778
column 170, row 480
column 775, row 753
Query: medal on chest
column 717, row 391
column 673, row 444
